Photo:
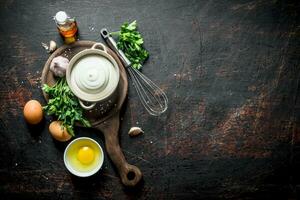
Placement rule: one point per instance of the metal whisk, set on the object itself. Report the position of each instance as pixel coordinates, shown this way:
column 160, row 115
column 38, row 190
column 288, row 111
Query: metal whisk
column 152, row 97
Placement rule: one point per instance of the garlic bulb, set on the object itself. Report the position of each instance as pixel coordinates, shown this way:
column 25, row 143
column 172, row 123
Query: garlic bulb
column 134, row 131
column 59, row 66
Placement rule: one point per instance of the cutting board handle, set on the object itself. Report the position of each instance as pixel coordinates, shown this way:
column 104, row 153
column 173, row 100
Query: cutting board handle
column 130, row 174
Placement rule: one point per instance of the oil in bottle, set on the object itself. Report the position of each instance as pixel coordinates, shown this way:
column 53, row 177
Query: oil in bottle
column 67, row 26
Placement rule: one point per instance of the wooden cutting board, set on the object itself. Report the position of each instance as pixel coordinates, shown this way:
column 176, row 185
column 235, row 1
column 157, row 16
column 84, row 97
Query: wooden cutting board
column 108, row 122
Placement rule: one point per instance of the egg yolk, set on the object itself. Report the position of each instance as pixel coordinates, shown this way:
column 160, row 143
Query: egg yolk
column 85, row 155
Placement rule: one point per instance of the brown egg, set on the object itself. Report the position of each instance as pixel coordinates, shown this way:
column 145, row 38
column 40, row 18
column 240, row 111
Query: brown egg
column 33, row 112
column 58, row 132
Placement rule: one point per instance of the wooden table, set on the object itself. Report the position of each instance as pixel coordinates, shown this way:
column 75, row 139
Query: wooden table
column 230, row 70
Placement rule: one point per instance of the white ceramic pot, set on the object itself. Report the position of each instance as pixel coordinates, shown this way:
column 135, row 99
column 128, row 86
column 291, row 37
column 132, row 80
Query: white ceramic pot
column 93, row 76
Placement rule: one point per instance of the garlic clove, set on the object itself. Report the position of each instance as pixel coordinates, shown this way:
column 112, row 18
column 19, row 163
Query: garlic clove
column 134, row 131
column 52, row 46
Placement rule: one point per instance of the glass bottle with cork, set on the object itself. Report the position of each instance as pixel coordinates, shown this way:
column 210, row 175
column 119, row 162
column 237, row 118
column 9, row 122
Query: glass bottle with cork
column 66, row 26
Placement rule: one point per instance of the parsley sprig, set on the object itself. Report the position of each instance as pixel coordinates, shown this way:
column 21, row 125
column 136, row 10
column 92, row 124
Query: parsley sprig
column 64, row 105
column 131, row 43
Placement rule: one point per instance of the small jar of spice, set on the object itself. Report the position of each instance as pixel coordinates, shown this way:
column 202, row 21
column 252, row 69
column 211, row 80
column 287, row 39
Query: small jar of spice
column 66, row 26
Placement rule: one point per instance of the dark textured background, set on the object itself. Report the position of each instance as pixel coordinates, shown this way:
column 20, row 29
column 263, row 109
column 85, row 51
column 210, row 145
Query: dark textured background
column 230, row 70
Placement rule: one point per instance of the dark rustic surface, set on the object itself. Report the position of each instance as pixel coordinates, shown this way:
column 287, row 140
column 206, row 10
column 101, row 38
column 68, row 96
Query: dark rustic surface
column 230, row 70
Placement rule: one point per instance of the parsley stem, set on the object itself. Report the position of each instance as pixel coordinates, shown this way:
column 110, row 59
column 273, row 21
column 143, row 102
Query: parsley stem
column 115, row 33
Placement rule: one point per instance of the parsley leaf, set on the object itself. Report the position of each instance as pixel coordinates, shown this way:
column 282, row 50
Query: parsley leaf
column 64, row 105
column 131, row 43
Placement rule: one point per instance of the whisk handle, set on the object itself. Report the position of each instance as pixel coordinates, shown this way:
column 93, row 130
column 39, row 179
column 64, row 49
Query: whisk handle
column 113, row 45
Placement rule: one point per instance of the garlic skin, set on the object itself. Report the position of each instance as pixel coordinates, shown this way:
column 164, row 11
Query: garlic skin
column 59, row 66
column 45, row 46
column 134, row 131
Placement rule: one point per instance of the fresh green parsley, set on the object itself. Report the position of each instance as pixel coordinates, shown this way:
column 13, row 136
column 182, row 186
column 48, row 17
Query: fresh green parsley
column 131, row 43
column 64, row 105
